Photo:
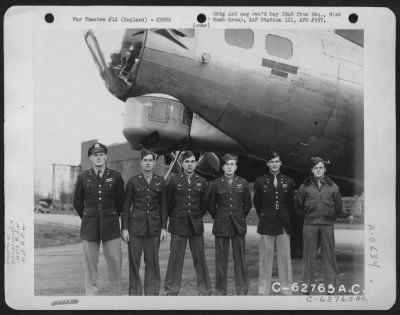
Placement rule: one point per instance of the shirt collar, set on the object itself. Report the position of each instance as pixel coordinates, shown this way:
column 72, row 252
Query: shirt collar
column 102, row 170
column 150, row 175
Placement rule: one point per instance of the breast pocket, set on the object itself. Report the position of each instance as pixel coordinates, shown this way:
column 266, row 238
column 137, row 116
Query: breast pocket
column 199, row 187
column 139, row 190
column 222, row 191
column 90, row 188
column 156, row 187
column 109, row 186
column 238, row 189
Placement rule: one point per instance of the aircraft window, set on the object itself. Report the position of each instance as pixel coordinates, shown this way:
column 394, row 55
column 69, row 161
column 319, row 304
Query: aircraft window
column 184, row 32
column 159, row 111
column 243, row 38
column 279, row 46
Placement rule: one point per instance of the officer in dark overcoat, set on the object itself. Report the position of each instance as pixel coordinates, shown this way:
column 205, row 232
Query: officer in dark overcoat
column 274, row 203
column 187, row 203
column 98, row 199
column 144, row 223
column 230, row 203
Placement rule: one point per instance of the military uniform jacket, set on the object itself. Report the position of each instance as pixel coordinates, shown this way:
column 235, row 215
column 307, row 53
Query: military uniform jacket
column 274, row 206
column 319, row 205
column 145, row 206
column 229, row 206
column 99, row 204
column 187, row 204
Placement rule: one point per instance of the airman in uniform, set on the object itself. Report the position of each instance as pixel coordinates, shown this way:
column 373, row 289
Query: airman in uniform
column 319, row 202
column 144, row 223
column 187, row 203
column 230, row 203
column 274, row 203
column 98, row 199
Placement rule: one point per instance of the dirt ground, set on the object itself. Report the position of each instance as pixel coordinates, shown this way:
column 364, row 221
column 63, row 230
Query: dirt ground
column 59, row 269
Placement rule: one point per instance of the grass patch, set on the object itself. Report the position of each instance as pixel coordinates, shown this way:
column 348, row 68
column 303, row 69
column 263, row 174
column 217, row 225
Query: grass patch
column 47, row 235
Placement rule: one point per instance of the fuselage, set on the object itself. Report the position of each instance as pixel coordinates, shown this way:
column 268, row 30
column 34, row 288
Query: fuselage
column 299, row 92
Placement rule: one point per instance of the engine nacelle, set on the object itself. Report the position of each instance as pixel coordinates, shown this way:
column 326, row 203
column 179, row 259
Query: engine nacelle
column 162, row 123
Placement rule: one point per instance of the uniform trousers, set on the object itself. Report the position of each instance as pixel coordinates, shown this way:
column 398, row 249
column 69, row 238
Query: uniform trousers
column 221, row 264
column 150, row 247
column 113, row 256
column 266, row 253
column 323, row 235
column 173, row 277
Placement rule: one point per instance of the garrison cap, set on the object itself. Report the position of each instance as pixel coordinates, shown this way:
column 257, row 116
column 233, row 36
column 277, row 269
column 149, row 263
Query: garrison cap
column 316, row 159
column 146, row 152
column 272, row 155
column 186, row 155
column 96, row 148
column 227, row 157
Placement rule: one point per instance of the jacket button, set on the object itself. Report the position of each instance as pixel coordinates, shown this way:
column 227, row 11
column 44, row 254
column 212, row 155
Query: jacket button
column 148, row 211
column 231, row 206
column 189, row 189
column 189, row 210
column 189, row 196
column 99, row 198
column 99, row 185
column 99, row 191
column 148, row 189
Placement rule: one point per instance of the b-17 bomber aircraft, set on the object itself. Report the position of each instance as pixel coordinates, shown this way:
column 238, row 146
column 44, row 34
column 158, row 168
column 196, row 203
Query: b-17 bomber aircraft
column 244, row 91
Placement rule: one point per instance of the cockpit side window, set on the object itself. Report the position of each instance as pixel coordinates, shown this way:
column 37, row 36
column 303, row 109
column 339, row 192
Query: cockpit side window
column 243, row 38
column 184, row 32
column 278, row 46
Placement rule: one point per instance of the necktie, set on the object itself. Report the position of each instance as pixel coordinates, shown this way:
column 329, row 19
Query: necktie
column 99, row 175
column 148, row 179
column 275, row 182
column 189, row 181
column 230, row 181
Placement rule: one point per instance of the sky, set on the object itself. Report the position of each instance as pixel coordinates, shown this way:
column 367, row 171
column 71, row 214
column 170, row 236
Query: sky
column 71, row 102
